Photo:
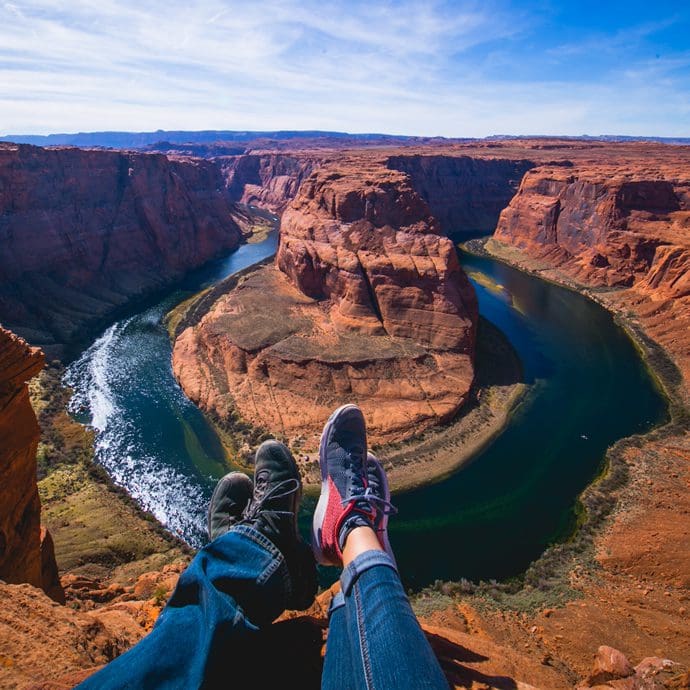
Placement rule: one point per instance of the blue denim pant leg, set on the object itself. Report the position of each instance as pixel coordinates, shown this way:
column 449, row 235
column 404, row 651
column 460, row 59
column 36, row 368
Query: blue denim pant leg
column 387, row 646
column 206, row 636
column 338, row 671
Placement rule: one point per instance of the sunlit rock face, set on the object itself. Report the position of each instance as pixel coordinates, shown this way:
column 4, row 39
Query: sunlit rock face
column 622, row 222
column 603, row 225
column 268, row 180
column 366, row 302
column 26, row 551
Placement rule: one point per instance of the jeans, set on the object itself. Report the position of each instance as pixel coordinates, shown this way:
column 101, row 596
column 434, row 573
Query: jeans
column 210, row 632
column 374, row 640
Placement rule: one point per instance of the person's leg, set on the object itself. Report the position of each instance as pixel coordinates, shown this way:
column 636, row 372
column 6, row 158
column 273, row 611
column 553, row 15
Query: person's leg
column 232, row 587
column 208, row 633
column 383, row 632
column 338, row 672
column 387, row 647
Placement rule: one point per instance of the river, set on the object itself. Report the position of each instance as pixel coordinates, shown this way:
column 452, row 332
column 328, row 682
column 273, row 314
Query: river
column 490, row 519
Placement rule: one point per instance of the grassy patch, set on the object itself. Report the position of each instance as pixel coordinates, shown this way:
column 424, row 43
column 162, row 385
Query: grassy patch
column 63, row 441
column 175, row 316
column 427, row 602
column 96, row 525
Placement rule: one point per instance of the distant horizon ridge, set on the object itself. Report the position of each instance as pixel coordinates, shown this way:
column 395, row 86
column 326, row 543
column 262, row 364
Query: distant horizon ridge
column 141, row 139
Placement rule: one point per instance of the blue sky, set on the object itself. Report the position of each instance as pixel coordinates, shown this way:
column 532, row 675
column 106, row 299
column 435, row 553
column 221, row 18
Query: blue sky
column 430, row 68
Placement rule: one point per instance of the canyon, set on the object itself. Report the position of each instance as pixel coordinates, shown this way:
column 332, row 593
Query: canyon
column 366, row 301
column 83, row 232
column 363, row 256
column 610, row 216
column 621, row 228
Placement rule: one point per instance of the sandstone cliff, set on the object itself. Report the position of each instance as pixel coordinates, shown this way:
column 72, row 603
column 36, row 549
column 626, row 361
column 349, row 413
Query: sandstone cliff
column 26, row 551
column 604, row 225
column 466, row 193
column 269, row 180
column 612, row 225
column 635, row 599
column 370, row 304
column 84, row 231
column 46, row 646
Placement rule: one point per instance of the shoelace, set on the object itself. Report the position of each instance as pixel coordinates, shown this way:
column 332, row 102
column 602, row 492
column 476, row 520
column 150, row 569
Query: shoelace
column 368, row 498
column 256, row 509
column 374, row 502
column 387, row 508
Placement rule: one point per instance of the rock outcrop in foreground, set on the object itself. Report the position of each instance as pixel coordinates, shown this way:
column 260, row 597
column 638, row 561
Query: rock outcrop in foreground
column 107, row 622
column 366, row 302
column 26, row 550
column 48, row 646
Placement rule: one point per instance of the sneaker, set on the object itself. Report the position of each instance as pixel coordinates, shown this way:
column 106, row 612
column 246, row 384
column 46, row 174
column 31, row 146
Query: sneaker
column 272, row 511
column 343, row 504
column 230, row 498
column 379, row 492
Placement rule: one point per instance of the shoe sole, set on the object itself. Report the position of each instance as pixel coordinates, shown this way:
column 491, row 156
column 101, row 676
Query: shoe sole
column 322, row 505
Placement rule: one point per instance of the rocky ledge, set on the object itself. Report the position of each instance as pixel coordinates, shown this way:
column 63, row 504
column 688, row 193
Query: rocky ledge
column 26, row 549
column 366, row 302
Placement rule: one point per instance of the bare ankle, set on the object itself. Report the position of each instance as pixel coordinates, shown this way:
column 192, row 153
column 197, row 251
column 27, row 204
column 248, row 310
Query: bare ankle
column 359, row 540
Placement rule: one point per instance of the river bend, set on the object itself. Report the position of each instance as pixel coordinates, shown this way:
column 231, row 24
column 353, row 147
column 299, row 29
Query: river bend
column 490, row 519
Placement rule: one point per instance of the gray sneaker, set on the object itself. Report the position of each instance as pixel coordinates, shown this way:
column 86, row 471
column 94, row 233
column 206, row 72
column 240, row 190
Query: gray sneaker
column 342, row 504
column 230, row 498
column 354, row 488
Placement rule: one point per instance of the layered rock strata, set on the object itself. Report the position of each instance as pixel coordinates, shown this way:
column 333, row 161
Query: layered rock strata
column 26, row 551
column 466, row 193
column 367, row 302
column 636, row 599
column 612, row 226
column 269, row 180
column 84, row 231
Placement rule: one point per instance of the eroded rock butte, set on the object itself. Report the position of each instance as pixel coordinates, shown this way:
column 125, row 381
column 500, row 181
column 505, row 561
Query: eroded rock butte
column 366, row 302
column 636, row 597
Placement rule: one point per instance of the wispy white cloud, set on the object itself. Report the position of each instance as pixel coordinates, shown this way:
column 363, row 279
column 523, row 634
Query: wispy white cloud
column 398, row 66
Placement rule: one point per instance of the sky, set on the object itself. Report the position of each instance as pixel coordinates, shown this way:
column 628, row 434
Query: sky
column 455, row 69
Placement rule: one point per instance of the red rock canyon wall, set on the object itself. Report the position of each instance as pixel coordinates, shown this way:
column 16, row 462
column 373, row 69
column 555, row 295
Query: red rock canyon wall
column 369, row 304
column 613, row 225
column 82, row 231
column 269, row 180
column 465, row 193
column 26, row 551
